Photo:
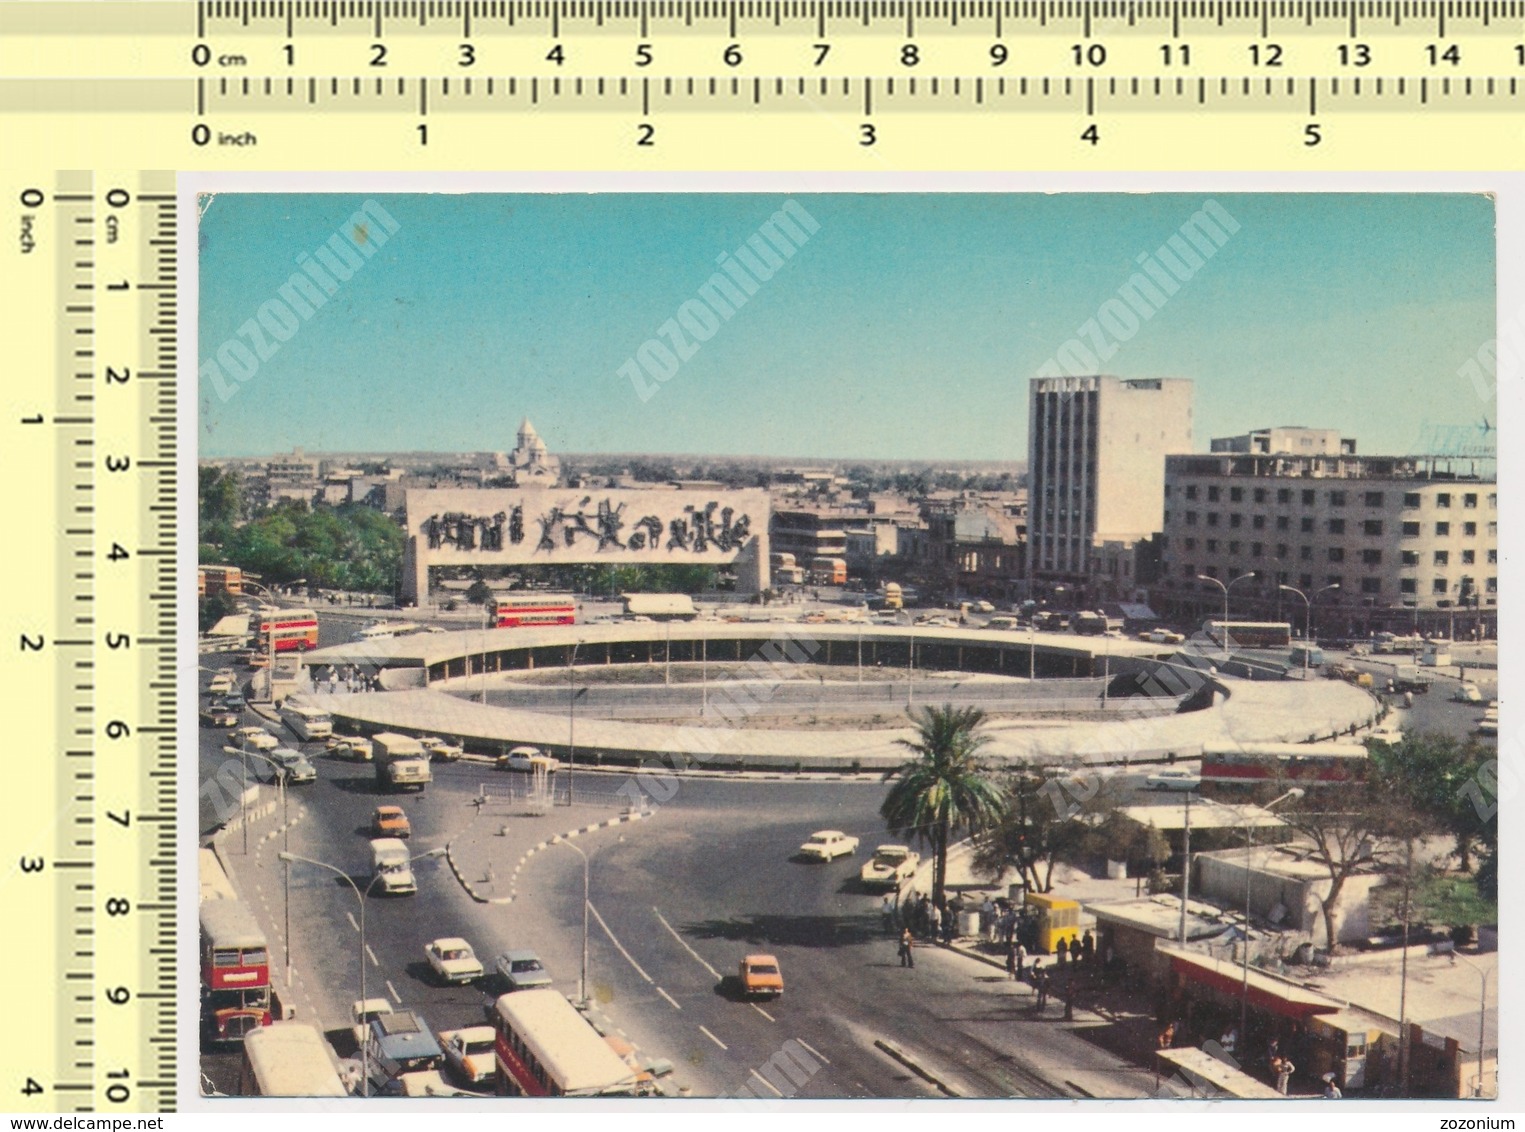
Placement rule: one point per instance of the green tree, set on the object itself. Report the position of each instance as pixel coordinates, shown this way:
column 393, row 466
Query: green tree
column 944, row 787
column 212, row 609
column 1430, row 773
column 478, row 593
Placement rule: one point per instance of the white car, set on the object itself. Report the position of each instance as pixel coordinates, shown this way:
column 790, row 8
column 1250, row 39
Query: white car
column 363, row 1012
column 891, row 866
column 982, row 607
column 440, row 750
column 829, row 844
column 453, row 961
column 470, row 1053
column 1468, row 694
column 1165, row 637
column 1173, row 780
column 295, row 764
column 220, row 685
column 255, row 739
column 350, row 747
column 526, row 758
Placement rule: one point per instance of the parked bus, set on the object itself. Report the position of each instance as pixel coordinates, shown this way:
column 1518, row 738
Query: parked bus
column 1305, row 764
column 1250, row 634
column 386, row 630
column 235, row 971
column 307, row 723
column 544, row 1048
column 828, row 571
column 294, row 629
column 531, row 610
column 289, row 1059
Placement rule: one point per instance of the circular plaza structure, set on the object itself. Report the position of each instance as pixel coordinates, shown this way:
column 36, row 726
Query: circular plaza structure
column 1137, row 701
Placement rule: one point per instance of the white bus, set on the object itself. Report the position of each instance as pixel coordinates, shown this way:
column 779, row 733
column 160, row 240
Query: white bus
column 308, row 723
column 289, row 1059
column 545, row 1048
column 385, row 630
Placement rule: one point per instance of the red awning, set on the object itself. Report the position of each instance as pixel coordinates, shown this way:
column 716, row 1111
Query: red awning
column 1265, row 994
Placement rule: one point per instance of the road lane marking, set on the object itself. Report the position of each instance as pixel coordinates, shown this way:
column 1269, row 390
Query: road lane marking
column 683, row 943
column 374, row 961
column 813, row 1050
column 713, row 1038
column 351, row 917
column 669, row 998
column 620, row 946
column 397, row 998
column 763, row 1012
column 766, row 1082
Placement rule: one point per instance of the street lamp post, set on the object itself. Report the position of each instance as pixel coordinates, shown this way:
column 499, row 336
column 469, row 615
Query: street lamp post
column 1244, row 982
column 1308, row 616
column 1482, row 1020
column 572, row 722
column 1224, row 588
column 280, row 779
column 1032, row 649
column 360, row 895
column 582, row 983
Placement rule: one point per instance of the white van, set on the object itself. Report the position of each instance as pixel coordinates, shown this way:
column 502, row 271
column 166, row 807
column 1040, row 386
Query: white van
column 389, row 861
column 1005, row 624
column 307, row 723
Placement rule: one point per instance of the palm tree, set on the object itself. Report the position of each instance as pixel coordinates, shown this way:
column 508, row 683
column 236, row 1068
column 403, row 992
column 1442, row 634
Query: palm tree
column 943, row 787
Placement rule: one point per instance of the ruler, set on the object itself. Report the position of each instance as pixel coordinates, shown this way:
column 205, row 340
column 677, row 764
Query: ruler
column 788, row 84
column 89, row 656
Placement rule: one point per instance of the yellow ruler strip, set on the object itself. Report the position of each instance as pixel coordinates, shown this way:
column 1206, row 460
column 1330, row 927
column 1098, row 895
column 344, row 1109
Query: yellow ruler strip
column 789, row 84
column 90, row 658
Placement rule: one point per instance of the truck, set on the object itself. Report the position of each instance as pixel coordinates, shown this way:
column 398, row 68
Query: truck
column 391, row 863
column 402, row 1038
column 401, row 762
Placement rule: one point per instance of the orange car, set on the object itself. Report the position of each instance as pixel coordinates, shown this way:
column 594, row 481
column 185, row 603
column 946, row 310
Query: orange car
column 390, row 821
column 760, row 977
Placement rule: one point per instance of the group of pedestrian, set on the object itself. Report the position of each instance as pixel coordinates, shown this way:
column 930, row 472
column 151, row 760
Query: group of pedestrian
column 345, row 678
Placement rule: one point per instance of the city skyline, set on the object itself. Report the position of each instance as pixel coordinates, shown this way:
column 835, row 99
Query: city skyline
column 968, row 296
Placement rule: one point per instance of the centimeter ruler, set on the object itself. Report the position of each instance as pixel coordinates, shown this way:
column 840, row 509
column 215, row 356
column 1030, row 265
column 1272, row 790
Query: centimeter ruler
column 788, row 84
column 89, row 656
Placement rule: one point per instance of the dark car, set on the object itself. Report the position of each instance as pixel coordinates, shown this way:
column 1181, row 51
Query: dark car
column 233, row 701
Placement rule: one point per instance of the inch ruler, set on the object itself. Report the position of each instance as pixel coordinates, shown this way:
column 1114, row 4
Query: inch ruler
column 89, row 658
column 788, row 84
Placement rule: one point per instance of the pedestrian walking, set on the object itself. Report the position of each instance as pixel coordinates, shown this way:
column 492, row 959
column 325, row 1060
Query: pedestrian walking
column 1021, row 954
column 1284, row 1071
column 1011, row 960
column 987, row 920
column 887, row 912
column 934, row 921
column 1042, row 992
column 1087, row 947
column 907, row 945
column 1061, row 951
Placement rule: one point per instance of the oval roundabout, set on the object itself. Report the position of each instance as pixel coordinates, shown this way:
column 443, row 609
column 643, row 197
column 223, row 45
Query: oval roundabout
column 832, row 698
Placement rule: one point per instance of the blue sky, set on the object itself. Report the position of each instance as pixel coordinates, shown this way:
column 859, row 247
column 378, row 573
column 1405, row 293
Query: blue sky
column 906, row 327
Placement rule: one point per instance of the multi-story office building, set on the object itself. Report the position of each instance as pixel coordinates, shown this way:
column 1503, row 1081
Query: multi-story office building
column 1410, row 542
column 1096, row 466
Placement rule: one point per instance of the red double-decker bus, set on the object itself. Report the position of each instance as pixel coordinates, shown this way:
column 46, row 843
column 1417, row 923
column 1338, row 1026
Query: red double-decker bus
column 235, row 971
column 515, row 611
column 295, row 630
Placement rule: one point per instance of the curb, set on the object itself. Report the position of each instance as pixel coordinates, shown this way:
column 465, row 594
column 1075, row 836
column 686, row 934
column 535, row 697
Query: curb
column 513, row 895
column 898, row 1054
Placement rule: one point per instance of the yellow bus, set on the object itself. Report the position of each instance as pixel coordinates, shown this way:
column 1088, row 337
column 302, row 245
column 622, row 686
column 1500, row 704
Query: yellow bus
column 1058, row 919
